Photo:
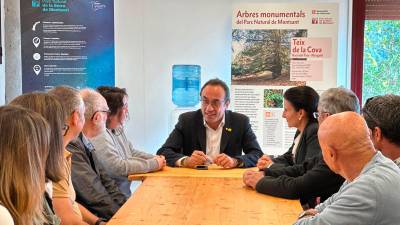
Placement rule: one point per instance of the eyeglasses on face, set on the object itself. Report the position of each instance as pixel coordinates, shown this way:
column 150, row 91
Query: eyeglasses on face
column 316, row 115
column 215, row 103
column 104, row 111
column 65, row 129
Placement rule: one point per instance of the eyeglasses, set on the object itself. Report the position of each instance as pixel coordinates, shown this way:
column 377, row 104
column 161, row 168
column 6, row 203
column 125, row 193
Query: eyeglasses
column 216, row 103
column 65, row 129
column 318, row 114
column 104, row 111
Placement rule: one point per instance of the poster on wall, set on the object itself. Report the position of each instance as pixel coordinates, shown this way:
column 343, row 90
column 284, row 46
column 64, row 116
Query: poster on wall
column 67, row 42
column 276, row 46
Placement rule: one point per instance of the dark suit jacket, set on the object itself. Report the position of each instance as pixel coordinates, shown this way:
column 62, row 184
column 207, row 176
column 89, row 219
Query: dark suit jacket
column 305, row 181
column 307, row 148
column 190, row 134
column 95, row 190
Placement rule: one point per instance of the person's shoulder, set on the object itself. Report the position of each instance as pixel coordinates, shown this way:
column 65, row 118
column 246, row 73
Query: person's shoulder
column 191, row 117
column 383, row 170
column 103, row 139
column 191, row 114
column 312, row 127
column 5, row 216
column 75, row 146
column 106, row 133
column 236, row 115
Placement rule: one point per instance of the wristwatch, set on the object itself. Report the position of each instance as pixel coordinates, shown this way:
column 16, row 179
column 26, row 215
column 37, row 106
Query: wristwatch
column 99, row 220
column 240, row 162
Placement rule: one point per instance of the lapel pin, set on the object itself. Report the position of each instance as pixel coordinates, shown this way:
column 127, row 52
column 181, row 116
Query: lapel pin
column 228, row 129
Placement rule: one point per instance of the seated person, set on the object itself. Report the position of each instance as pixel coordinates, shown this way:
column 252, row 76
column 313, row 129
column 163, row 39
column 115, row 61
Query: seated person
column 64, row 195
column 24, row 147
column 114, row 150
column 212, row 134
column 366, row 197
column 313, row 178
column 51, row 109
column 299, row 105
column 383, row 119
column 95, row 190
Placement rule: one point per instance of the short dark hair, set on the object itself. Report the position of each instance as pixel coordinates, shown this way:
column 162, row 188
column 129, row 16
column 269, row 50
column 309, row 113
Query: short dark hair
column 303, row 97
column 217, row 82
column 384, row 112
column 114, row 97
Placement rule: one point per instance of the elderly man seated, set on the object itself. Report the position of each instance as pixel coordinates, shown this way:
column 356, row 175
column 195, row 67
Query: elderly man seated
column 366, row 197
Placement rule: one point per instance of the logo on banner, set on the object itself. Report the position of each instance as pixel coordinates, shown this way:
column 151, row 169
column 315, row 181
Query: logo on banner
column 37, row 69
column 35, row 3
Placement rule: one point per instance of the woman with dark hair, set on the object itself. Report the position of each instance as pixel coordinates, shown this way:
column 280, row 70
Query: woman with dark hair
column 113, row 148
column 300, row 103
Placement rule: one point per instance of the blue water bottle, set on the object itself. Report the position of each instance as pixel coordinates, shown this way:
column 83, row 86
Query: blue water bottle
column 185, row 85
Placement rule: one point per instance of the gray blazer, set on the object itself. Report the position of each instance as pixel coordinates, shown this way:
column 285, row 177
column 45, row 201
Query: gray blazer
column 94, row 188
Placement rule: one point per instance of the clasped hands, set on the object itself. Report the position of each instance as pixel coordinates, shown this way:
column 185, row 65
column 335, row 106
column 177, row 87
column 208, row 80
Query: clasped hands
column 251, row 178
column 199, row 158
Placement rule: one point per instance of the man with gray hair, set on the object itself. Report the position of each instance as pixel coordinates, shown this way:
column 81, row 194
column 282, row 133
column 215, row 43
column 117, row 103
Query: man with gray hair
column 94, row 188
column 313, row 179
column 382, row 114
column 64, row 195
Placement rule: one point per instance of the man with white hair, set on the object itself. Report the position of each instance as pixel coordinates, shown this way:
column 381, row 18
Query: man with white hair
column 94, row 188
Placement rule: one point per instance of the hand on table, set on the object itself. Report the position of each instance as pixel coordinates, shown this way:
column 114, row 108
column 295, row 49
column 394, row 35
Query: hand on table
column 197, row 158
column 161, row 161
column 225, row 161
column 264, row 162
column 307, row 213
column 251, row 178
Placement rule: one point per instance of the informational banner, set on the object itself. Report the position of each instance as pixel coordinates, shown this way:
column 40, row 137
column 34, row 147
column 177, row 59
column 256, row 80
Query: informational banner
column 67, row 42
column 276, row 46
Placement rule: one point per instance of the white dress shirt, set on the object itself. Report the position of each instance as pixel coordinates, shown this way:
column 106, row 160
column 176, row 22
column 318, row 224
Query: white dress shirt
column 213, row 139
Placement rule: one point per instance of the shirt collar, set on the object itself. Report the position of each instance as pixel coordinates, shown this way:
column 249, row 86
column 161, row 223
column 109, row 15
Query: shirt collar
column 88, row 145
column 397, row 161
column 67, row 154
column 220, row 124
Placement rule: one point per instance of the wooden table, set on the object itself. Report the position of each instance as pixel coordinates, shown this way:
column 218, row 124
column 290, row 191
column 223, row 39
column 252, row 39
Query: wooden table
column 200, row 197
column 213, row 171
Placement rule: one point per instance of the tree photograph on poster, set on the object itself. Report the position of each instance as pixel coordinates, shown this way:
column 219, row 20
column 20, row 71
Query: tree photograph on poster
column 262, row 57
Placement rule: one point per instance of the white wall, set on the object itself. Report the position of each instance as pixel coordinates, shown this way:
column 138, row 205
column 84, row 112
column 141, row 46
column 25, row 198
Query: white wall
column 152, row 35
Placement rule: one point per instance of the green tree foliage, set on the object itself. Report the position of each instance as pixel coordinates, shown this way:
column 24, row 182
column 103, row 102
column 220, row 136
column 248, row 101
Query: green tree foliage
column 381, row 58
column 273, row 98
column 263, row 50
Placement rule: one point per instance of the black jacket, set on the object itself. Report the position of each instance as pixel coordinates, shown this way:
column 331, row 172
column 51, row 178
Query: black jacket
column 95, row 190
column 306, row 181
column 190, row 134
column 307, row 148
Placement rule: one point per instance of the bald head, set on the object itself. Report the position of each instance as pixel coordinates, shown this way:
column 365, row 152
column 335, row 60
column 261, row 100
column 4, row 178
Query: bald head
column 345, row 131
column 94, row 101
column 345, row 141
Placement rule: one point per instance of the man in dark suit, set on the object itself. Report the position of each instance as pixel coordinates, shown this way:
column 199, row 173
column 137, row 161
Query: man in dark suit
column 212, row 134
